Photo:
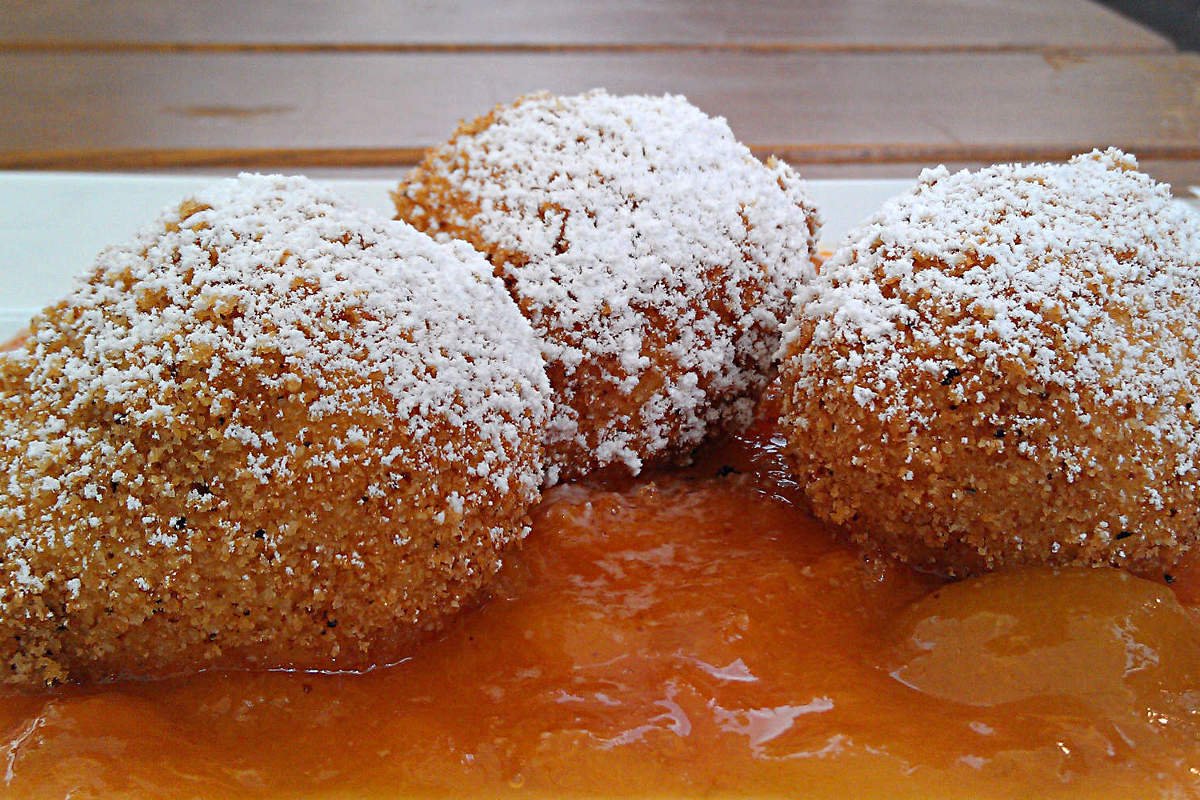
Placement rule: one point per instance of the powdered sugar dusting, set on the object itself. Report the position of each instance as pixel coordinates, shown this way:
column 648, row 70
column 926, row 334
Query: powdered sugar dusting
column 1075, row 282
column 625, row 227
column 369, row 320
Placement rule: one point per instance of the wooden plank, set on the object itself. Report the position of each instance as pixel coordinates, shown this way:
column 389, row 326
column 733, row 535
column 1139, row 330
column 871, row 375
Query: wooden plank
column 153, row 110
column 773, row 24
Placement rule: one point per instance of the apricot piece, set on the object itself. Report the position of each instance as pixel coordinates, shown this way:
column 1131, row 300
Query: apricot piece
column 1097, row 637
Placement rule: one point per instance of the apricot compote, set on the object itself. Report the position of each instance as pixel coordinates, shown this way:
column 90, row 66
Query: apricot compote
column 692, row 632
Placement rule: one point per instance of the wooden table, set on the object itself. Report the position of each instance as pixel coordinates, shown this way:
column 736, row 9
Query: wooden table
column 840, row 88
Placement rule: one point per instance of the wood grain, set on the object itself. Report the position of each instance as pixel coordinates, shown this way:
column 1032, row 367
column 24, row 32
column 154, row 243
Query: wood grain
column 146, row 110
column 574, row 24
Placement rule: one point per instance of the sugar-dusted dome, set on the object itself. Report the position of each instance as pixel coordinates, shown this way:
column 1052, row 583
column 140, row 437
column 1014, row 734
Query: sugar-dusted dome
column 272, row 430
column 654, row 255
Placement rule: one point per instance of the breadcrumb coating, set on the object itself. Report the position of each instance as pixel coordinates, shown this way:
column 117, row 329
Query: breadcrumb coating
column 1001, row 367
column 272, row 431
column 652, row 252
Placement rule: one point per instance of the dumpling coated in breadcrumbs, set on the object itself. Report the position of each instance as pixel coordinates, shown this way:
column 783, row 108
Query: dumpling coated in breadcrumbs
column 272, row 431
column 653, row 253
column 1002, row 367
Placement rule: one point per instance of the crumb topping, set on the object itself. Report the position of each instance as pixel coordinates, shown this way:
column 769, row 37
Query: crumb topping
column 272, row 271
column 290, row 337
column 612, row 218
column 1060, row 299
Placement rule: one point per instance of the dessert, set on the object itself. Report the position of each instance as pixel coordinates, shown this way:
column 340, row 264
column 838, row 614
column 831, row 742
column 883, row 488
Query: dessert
column 272, row 431
column 654, row 255
column 1000, row 368
column 686, row 632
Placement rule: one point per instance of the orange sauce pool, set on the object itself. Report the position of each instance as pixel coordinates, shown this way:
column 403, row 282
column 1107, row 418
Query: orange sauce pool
column 691, row 633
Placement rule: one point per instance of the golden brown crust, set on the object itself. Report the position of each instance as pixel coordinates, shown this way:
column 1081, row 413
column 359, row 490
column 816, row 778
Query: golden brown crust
column 999, row 369
column 564, row 196
column 216, row 497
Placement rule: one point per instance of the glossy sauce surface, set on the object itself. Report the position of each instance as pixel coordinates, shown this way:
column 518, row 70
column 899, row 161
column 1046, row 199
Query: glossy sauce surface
column 693, row 632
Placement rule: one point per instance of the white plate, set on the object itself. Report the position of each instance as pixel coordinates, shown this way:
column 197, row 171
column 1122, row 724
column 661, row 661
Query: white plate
column 53, row 224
